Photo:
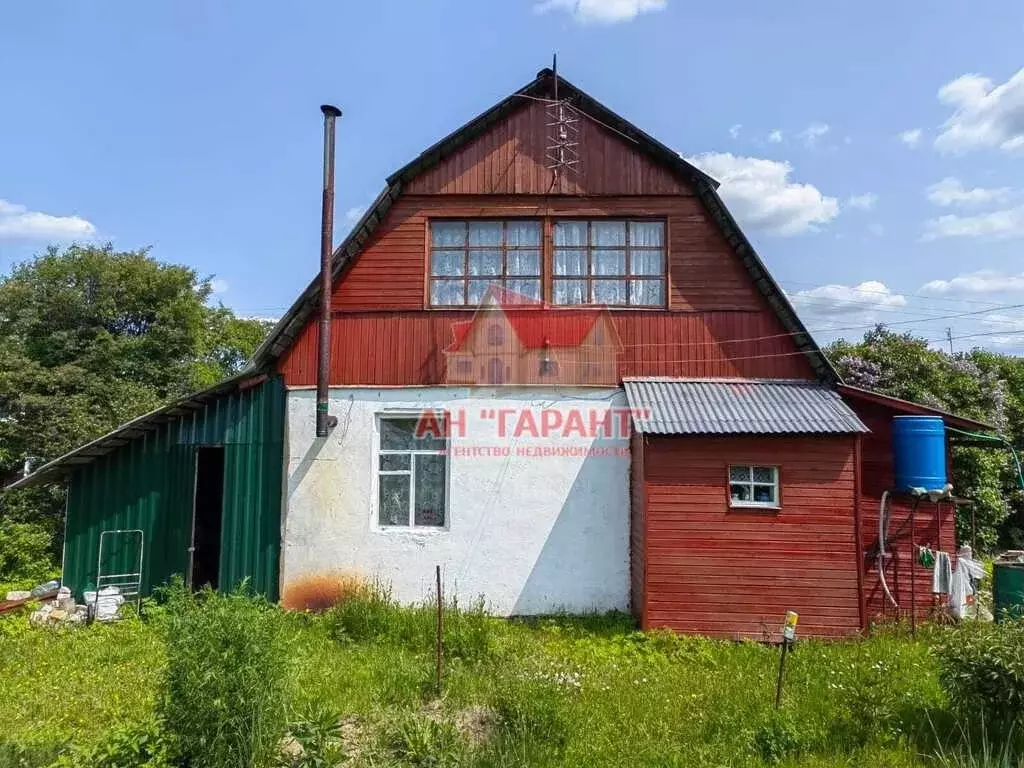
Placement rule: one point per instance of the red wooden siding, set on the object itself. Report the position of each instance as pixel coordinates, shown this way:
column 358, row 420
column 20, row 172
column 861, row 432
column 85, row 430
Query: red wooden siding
column 396, row 349
column 637, row 494
column 720, row 571
column 935, row 527
column 509, row 159
column 390, row 273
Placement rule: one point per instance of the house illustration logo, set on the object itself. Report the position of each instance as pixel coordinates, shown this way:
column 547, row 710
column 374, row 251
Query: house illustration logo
column 515, row 339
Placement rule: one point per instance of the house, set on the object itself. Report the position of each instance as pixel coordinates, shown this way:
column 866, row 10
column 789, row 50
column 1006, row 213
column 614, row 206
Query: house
column 567, row 379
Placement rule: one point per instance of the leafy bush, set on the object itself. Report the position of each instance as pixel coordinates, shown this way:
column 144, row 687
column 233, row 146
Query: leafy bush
column 24, row 553
column 133, row 745
column 224, row 690
column 982, row 671
column 778, row 738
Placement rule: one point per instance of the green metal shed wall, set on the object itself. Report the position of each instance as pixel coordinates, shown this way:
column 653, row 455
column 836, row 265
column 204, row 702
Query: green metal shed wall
column 148, row 483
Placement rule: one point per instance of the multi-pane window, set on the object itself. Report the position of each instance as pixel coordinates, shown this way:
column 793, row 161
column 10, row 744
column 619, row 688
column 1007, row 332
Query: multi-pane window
column 411, row 473
column 618, row 263
column 753, row 486
column 468, row 256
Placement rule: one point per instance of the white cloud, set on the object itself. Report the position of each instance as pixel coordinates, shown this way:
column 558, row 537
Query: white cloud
column 813, row 132
column 863, row 202
column 911, row 137
column 834, row 304
column 951, row 191
column 353, row 214
column 734, row 132
column 986, row 115
column 19, row 223
column 775, row 137
column 603, row 11
column 994, row 225
column 219, row 285
column 980, row 283
column 762, row 197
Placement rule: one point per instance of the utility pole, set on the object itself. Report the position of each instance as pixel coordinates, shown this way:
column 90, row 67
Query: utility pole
column 949, row 338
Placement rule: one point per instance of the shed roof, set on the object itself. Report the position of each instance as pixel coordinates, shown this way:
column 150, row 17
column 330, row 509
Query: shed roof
column 738, row 406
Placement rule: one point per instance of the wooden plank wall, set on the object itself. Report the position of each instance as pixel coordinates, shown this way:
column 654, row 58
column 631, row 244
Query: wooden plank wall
column 390, row 273
column 637, row 523
column 933, row 524
column 510, row 159
column 729, row 572
column 396, row 349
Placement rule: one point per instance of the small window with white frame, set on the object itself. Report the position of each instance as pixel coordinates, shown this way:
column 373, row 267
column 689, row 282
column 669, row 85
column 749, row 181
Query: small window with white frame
column 753, row 486
column 412, row 464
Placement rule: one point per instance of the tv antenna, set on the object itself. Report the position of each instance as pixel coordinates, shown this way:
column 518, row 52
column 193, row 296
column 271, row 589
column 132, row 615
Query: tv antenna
column 563, row 131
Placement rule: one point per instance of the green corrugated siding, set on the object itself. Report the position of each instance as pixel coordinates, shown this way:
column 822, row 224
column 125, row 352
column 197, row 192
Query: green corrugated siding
column 148, row 484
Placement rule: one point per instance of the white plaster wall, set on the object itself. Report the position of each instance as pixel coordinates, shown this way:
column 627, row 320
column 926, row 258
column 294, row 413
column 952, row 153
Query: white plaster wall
column 529, row 534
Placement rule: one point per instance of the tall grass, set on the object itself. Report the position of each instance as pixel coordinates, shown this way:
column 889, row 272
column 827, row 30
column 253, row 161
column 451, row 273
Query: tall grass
column 224, row 691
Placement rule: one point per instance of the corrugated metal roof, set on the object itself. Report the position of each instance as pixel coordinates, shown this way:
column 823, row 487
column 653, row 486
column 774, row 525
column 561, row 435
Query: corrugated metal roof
column 738, row 406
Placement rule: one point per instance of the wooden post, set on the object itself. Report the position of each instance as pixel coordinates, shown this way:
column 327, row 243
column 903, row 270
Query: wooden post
column 782, row 670
column 440, row 631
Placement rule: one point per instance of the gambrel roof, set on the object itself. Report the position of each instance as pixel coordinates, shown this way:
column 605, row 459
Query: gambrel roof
column 543, row 87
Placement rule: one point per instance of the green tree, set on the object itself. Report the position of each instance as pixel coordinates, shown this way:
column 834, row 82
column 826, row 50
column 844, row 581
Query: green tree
column 91, row 337
column 978, row 384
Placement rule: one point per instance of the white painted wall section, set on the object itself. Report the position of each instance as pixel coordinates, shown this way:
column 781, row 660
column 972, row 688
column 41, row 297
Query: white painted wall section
column 542, row 529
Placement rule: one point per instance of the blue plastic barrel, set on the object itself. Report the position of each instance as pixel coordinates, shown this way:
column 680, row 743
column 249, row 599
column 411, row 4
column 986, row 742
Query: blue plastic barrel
column 919, row 452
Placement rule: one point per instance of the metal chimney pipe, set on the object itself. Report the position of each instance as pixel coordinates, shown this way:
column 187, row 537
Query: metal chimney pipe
column 323, row 362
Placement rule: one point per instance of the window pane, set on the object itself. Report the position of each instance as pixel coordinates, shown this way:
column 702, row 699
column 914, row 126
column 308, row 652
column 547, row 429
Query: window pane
column 650, row 233
column 764, row 474
column 477, row 289
column 739, row 474
column 647, row 263
column 448, row 234
column 485, row 233
column 609, row 262
column 523, row 233
column 570, row 262
column 484, row 263
column 570, row 233
column 394, row 500
column 398, row 434
column 447, row 263
column 447, row 292
column 528, row 288
column 645, row 292
column 392, row 462
column 430, row 476
column 569, row 291
column 739, row 492
column 610, row 291
column 523, row 262
column 764, row 493
column 605, row 233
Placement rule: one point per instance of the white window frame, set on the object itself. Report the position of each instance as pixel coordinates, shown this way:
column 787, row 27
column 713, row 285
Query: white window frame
column 377, row 472
column 775, row 485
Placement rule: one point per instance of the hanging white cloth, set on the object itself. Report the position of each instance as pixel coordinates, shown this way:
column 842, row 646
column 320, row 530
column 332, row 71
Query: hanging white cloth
column 968, row 572
column 942, row 577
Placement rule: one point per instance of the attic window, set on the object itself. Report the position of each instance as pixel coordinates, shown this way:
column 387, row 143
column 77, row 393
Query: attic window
column 615, row 263
column 468, row 256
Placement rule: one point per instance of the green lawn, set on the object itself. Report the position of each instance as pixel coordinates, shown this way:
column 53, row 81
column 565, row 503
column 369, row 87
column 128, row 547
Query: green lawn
column 583, row 692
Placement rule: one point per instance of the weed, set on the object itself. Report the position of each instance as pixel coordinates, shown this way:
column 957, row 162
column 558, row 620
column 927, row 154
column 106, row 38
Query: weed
column 426, row 742
column 318, row 733
column 224, row 690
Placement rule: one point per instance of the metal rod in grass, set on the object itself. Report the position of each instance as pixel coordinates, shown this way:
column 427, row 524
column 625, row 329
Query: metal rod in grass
column 440, row 631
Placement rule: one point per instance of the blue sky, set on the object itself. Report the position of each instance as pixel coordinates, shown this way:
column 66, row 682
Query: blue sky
column 874, row 151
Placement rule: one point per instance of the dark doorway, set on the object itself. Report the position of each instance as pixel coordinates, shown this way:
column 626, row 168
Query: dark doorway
column 206, row 521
